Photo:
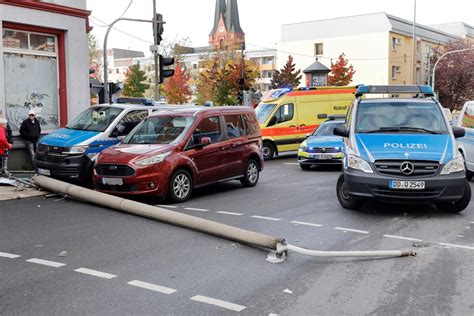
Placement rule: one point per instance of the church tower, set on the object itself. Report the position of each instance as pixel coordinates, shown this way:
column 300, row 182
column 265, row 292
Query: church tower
column 226, row 30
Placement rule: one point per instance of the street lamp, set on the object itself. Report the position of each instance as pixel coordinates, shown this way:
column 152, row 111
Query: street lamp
column 447, row 53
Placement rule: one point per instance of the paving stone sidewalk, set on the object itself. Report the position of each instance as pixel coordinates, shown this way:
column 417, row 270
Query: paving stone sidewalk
column 12, row 190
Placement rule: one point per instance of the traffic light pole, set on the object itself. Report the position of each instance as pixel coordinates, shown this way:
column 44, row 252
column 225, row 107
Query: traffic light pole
column 106, row 74
column 155, row 54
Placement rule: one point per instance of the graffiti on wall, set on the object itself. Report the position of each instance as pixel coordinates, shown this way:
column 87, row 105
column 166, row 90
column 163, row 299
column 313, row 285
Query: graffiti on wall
column 31, row 84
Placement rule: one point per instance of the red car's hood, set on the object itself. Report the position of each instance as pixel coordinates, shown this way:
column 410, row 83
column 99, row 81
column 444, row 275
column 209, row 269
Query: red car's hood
column 124, row 153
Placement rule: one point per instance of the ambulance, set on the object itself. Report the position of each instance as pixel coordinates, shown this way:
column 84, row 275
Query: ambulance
column 287, row 115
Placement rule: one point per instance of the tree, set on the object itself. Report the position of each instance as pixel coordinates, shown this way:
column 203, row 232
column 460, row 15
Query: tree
column 454, row 74
column 341, row 74
column 219, row 79
column 287, row 76
column 134, row 78
column 176, row 88
column 94, row 56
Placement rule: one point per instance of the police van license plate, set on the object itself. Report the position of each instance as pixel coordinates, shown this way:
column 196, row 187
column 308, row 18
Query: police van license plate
column 112, row 181
column 322, row 156
column 44, row 172
column 406, row 185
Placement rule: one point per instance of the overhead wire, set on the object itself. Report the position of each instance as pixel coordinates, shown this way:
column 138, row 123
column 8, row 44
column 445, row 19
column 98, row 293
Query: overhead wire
column 326, row 57
column 119, row 30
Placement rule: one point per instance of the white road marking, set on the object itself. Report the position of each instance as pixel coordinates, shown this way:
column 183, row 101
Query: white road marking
column 152, row 287
column 307, row 224
column 213, row 301
column 291, row 163
column 196, row 209
column 471, row 223
column 455, row 246
column 351, row 230
column 168, row 206
column 403, row 238
column 8, row 255
column 46, row 262
column 96, row 273
column 267, row 218
column 230, row 213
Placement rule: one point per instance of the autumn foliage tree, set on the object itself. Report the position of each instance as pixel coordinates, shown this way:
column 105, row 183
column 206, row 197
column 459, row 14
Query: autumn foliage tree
column 176, row 88
column 134, row 78
column 341, row 74
column 94, row 56
column 219, row 79
column 454, row 79
column 288, row 76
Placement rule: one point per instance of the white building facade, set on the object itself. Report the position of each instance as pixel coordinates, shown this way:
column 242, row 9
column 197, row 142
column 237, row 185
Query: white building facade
column 373, row 43
column 44, row 61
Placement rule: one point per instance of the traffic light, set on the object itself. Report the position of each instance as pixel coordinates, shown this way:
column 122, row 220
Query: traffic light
column 240, row 93
column 164, row 62
column 158, row 31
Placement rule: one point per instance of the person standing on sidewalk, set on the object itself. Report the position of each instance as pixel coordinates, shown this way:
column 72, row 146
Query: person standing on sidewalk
column 5, row 146
column 30, row 131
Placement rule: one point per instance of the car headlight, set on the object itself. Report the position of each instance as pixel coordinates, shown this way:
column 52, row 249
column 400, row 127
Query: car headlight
column 76, row 150
column 303, row 146
column 455, row 165
column 152, row 160
column 356, row 162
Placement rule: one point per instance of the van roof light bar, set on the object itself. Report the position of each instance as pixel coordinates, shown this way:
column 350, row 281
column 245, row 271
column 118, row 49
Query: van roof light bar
column 393, row 89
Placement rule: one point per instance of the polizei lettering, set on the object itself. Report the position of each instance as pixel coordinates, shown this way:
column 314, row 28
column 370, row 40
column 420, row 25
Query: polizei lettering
column 405, row 146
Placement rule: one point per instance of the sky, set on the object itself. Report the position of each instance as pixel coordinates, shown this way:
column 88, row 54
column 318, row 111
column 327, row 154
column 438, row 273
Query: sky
column 261, row 20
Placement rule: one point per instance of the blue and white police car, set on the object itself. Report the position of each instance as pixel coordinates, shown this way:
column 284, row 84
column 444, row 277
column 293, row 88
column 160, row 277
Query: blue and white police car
column 69, row 153
column 401, row 150
column 322, row 147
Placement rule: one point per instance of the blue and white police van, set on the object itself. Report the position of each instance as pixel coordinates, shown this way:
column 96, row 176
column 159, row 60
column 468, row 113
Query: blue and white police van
column 466, row 143
column 401, row 150
column 69, row 153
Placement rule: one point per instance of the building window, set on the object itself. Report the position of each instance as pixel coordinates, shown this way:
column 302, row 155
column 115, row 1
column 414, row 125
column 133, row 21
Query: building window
column 318, row 49
column 395, row 70
column 31, row 61
column 117, row 70
column 268, row 60
column 396, row 41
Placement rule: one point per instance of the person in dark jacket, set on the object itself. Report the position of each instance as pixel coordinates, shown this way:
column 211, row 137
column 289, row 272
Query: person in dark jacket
column 4, row 144
column 30, row 131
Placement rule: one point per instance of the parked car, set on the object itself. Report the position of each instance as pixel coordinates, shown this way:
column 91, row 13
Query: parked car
column 172, row 152
column 321, row 147
column 286, row 116
column 465, row 144
column 69, row 153
column 401, row 150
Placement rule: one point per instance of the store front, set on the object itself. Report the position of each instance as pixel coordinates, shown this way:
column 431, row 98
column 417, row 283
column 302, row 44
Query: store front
column 31, row 65
column 44, row 64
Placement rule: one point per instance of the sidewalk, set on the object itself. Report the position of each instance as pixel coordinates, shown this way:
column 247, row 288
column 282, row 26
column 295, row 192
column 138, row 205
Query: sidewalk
column 12, row 190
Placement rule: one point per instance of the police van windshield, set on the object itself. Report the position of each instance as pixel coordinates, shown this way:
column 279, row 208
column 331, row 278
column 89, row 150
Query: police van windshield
column 263, row 110
column 326, row 129
column 408, row 117
column 95, row 119
column 160, row 130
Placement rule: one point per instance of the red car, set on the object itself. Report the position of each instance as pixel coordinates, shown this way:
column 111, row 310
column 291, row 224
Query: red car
column 174, row 151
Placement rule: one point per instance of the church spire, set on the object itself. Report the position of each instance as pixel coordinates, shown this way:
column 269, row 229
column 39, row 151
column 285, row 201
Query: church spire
column 232, row 17
column 219, row 12
column 226, row 30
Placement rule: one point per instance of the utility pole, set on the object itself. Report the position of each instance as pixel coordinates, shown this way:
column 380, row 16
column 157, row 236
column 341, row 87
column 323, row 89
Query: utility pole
column 106, row 74
column 155, row 52
column 413, row 48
